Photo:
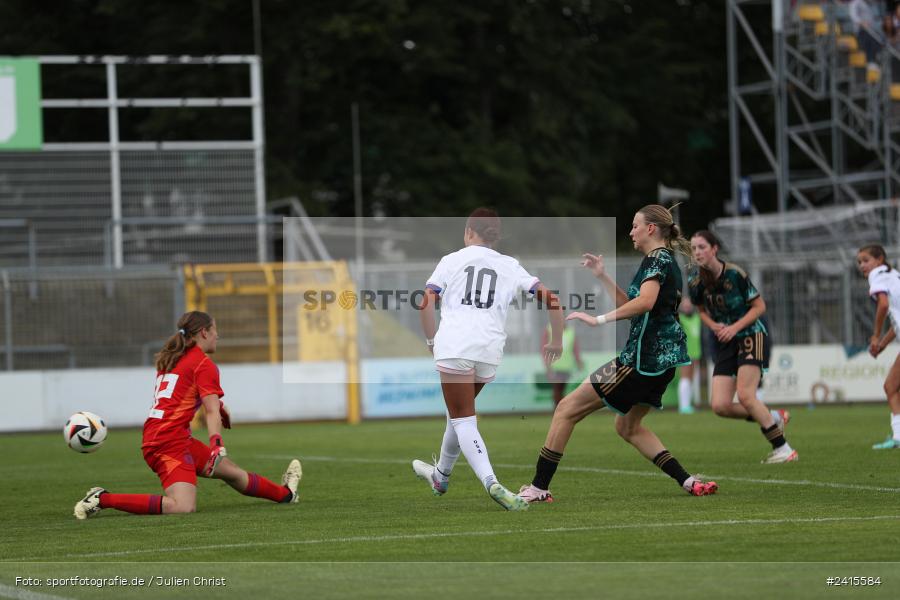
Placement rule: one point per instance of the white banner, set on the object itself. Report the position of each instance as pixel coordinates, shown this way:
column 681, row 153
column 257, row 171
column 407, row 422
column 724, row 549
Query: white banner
column 825, row 373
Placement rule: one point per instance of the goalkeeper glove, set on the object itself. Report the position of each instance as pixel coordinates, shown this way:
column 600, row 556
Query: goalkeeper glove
column 216, row 454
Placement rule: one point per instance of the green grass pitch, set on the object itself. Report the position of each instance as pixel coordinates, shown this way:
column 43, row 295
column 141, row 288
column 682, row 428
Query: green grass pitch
column 365, row 527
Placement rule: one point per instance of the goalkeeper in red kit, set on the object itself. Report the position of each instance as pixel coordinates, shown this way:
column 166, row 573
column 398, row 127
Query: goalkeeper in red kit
column 187, row 379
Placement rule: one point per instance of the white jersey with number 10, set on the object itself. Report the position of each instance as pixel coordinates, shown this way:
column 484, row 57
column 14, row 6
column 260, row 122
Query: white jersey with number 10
column 476, row 285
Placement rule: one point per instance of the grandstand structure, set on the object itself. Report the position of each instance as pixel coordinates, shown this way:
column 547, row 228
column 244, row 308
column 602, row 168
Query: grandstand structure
column 92, row 230
column 837, row 113
column 113, row 202
column 830, row 162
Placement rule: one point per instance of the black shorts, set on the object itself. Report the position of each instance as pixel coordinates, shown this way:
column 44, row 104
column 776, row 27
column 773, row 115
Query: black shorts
column 753, row 349
column 623, row 387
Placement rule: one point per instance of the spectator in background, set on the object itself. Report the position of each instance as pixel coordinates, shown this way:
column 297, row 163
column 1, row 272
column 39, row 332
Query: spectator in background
column 889, row 25
column 892, row 25
column 559, row 372
column 892, row 34
column 689, row 380
column 864, row 16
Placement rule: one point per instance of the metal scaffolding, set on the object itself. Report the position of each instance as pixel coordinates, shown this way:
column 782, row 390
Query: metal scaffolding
column 836, row 134
column 815, row 134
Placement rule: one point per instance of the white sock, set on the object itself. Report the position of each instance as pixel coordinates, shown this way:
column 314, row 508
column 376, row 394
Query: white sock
column 895, row 426
column 449, row 453
column 684, row 393
column 473, row 448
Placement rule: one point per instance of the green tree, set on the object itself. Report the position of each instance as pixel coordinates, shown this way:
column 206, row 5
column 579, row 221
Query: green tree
column 536, row 107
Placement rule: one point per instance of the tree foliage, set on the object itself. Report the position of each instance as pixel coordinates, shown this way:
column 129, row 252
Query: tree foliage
column 537, row 107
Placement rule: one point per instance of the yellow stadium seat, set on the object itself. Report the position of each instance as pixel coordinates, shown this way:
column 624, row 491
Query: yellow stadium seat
column 822, row 28
column 895, row 92
column 873, row 75
column 857, row 59
column 810, row 12
column 848, row 42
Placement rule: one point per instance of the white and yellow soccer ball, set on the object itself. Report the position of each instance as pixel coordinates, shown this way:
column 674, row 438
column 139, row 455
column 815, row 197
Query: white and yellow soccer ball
column 84, row 432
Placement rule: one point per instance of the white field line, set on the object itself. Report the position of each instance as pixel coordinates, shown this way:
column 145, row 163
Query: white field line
column 459, row 534
column 717, row 478
column 16, row 593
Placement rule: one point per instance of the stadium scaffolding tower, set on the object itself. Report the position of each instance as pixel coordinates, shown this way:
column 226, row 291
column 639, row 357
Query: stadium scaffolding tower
column 831, row 162
column 836, row 139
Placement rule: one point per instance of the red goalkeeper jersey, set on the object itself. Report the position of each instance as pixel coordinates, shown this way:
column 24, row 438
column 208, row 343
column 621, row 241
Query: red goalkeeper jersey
column 177, row 398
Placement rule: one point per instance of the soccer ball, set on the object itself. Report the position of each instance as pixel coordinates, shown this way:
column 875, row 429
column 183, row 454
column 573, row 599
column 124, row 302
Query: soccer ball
column 84, row 432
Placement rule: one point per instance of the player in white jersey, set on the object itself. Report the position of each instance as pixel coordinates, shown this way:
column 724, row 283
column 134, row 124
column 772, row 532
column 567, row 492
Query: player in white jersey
column 884, row 289
column 476, row 286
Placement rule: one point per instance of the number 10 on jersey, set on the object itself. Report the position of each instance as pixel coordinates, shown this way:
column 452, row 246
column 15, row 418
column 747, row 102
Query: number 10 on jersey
column 479, row 282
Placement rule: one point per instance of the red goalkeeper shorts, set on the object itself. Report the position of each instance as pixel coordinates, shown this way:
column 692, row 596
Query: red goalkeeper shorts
column 177, row 463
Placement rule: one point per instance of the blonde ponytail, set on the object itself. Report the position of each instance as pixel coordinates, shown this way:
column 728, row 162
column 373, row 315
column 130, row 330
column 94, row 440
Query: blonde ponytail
column 670, row 231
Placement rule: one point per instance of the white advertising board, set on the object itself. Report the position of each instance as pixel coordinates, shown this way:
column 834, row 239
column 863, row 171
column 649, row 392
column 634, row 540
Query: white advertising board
column 826, row 373
column 43, row 400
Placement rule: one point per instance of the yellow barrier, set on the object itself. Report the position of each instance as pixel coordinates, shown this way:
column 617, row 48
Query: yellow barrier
column 246, row 299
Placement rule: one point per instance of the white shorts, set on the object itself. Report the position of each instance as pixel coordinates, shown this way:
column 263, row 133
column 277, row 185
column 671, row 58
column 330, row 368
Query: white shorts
column 484, row 373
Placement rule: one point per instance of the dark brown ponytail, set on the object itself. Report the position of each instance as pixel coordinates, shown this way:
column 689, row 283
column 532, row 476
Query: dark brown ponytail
column 876, row 251
column 182, row 340
column 707, row 276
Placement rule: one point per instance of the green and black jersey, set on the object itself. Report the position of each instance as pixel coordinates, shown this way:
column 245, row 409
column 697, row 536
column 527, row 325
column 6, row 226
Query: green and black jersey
column 729, row 299
column 656, row 341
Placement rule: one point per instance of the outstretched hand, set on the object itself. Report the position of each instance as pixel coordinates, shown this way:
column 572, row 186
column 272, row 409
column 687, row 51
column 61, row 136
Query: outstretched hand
column 583, row 317
column 594, row 262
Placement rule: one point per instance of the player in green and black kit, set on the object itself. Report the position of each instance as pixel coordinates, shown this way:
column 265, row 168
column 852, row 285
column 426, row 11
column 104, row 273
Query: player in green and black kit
column 731, row 307
column 634, row 382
